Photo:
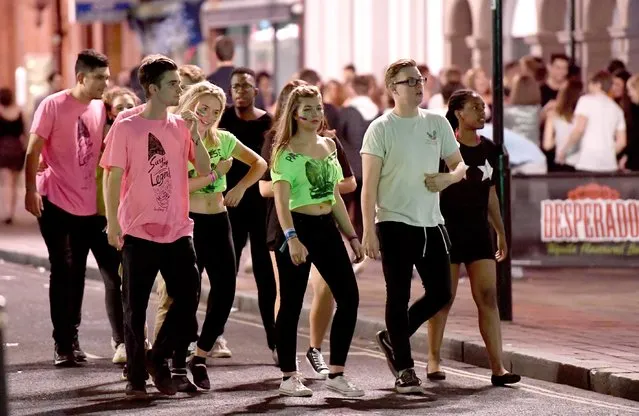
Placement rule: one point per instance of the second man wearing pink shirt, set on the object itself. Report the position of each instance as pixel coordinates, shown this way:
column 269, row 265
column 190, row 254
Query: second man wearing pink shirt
column 147, row 202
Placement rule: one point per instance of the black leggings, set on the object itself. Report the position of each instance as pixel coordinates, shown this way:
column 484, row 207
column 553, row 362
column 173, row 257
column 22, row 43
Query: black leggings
column 248, row 219
column 215, row 253
column 404, row 246
column 326, row 251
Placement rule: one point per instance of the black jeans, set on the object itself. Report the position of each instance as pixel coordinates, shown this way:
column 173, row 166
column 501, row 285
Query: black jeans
column 326, row 251
column 141, row 261
column 215, row 253
column 249, row 220
column 68, row 239
column 403, row 246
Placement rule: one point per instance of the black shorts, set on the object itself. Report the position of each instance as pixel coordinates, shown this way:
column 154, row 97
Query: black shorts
column 470, row 243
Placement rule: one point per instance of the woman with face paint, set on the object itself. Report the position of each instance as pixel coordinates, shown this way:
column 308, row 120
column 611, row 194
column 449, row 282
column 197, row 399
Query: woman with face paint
column 212, row 229
column 322, row 304
column 305, row 175
column 469, row 208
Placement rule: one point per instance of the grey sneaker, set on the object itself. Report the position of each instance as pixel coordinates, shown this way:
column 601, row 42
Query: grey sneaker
column 294, row 387
column 344, row 387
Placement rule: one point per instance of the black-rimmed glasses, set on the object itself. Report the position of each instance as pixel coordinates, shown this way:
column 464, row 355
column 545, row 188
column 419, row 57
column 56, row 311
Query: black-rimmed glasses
column 411, row 82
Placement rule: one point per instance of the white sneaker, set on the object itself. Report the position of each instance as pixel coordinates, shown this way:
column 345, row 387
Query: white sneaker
column 220, row 349
column 120, row 354
column 344, row 387
column 147, row 345
column 294, row 387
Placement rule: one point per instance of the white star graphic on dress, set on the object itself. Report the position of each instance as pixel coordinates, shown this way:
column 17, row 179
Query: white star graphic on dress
column 487, row 171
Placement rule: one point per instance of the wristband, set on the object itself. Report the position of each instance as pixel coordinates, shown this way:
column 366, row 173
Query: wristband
column 213, row 176
column 353, row 237
column 290, row 233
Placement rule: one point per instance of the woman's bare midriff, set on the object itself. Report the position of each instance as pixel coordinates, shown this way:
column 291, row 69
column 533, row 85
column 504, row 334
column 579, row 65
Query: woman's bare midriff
column 315, row 209
column 207, row 203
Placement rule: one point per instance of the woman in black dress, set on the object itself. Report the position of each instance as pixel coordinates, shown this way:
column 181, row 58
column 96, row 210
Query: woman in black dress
column 12, row 150
column 469, row 208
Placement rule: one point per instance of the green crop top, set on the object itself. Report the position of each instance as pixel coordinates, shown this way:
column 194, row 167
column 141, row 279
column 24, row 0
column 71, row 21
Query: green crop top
column 216, row 153
column 312, row 180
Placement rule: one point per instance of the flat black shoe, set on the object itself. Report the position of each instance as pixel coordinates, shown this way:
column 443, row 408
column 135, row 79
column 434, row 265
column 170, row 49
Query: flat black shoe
column 508, row 378
column 436, row 376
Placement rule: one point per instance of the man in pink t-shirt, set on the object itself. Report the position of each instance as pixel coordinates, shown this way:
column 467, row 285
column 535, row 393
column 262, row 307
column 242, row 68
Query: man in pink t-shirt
column 67, row 131
column 147, row 202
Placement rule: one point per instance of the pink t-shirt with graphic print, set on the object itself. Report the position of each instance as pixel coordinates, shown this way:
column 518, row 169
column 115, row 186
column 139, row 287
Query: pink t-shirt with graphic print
column 154, row 196
column 73, row 133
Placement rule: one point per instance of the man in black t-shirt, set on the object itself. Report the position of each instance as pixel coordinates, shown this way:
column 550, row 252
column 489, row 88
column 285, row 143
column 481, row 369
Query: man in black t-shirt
column 248, row 219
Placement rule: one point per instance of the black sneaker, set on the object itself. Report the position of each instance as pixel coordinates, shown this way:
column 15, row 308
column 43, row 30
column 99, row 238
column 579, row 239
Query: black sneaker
column 78, row 354
column 407, row 382
column 181, row 381
column 316, row 361
column 197, row 365
column 161, row 375
column 385, row 345
column 62, row 358
column 135, row 392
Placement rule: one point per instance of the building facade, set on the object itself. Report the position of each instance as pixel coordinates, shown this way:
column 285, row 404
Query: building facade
column 372, row 33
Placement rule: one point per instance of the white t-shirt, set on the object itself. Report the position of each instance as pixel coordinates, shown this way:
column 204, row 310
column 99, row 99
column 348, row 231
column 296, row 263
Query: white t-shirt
column 409, row 148
column 597, row 146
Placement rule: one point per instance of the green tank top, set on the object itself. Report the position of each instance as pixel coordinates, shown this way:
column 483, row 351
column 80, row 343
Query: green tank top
column 216, row 153
column 312, row 180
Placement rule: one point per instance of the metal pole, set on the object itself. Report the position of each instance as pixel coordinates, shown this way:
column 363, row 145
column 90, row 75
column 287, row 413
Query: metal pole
column 573, row 28
column 276, row 57
column 504, row 278
column 4, row 407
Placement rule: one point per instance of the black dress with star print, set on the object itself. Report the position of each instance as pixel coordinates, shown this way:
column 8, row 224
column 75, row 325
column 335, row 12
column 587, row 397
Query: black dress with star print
column 464, row 205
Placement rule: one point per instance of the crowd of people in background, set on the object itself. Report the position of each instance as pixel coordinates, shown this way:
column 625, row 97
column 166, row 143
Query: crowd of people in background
column 309, row 175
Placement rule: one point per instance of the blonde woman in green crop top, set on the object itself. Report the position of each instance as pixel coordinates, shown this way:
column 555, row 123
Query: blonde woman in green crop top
column 305, row 174
column 212, row 229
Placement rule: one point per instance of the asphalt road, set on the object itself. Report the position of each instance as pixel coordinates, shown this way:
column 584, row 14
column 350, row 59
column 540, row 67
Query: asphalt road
column 247, row 383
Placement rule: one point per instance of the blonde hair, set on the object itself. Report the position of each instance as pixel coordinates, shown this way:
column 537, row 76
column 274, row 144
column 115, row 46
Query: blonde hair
column 286, row 125
column 470, row 80
column 394, row 68
column 196, row 92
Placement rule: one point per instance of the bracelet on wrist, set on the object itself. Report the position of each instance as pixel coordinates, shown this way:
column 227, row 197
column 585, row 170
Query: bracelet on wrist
column 290, row 233
column 213, row 176
column 353, row 237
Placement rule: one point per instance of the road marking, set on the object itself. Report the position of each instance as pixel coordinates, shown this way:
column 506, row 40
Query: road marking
column 466, row 374
column 93, row 357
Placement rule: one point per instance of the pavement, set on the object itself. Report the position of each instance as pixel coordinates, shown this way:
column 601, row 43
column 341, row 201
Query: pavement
column 247, row 383
column 576, row 327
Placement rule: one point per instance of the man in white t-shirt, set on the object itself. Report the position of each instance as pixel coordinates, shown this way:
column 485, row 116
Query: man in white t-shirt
column 600, row 128
column 401, row 154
